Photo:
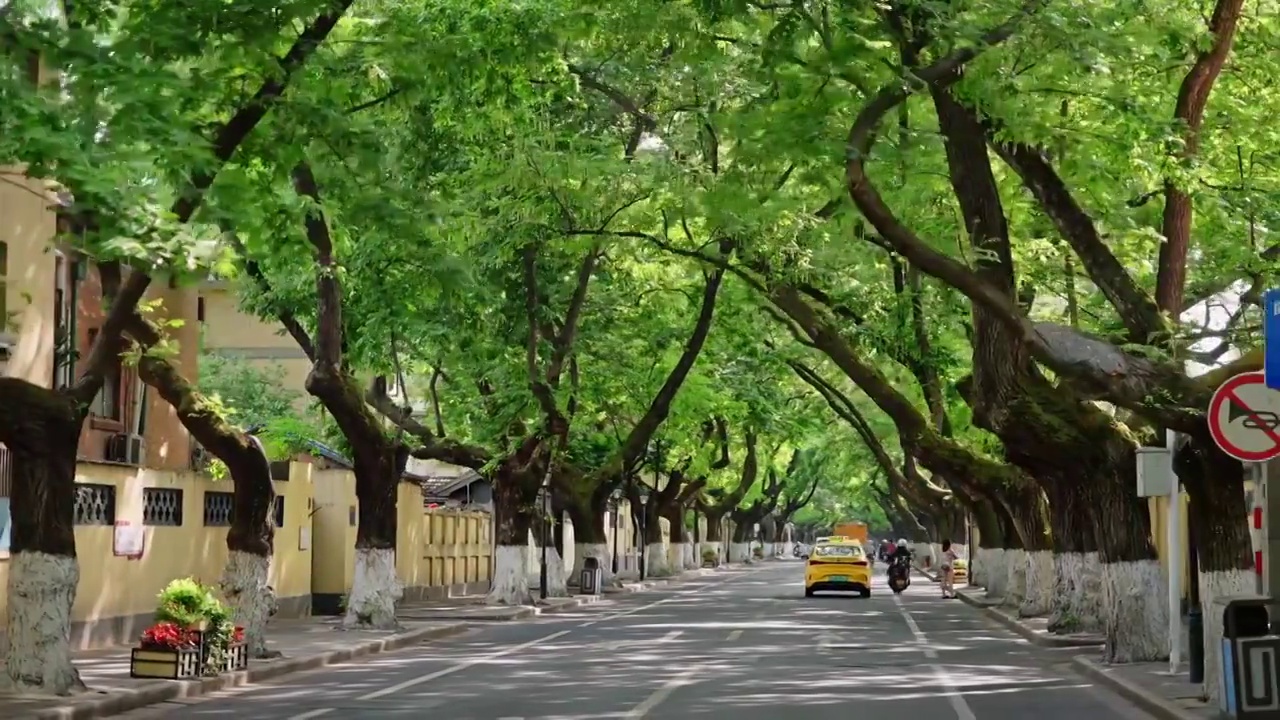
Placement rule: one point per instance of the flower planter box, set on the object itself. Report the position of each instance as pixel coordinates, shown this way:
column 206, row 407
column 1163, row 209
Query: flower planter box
column 161, row 664
column 237, row 657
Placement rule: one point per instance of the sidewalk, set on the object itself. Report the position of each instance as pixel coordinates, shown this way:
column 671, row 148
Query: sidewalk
column 1149, row 685
column 306, row 643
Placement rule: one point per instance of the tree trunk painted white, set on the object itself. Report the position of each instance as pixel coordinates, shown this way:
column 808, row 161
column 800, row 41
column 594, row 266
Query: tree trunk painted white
column 655, row 560
column 978, row 567
column 246, row 585
column 1040, row 583
column 1135, row 605
column 739, row 552
column 375, row 590
column 788, row 547
column 689, row 559
column 556, row 574
column 1216, row 585
column 510, row 585
column 602, row 557
column 1015, row 585
column 1077, row 593
column 996, row 570
column 42, row 589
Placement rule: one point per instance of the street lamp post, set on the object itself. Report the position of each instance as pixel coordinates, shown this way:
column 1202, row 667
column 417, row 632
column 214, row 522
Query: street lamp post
column 644, row 524
column 546, row 518
column 615, row 497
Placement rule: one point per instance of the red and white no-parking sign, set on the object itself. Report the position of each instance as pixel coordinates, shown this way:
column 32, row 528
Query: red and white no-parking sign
column 1244, row 418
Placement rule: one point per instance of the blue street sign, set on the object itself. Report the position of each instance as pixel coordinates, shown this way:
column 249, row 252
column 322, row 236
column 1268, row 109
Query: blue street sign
column 1271, row 338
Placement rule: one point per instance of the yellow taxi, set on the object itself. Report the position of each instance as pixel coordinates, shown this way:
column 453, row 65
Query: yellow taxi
column 839, row 565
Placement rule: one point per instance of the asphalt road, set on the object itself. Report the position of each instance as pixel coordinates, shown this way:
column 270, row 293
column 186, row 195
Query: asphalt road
column 746, row 645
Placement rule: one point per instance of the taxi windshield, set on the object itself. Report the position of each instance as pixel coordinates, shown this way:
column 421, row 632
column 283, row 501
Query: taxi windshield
column 838, row 551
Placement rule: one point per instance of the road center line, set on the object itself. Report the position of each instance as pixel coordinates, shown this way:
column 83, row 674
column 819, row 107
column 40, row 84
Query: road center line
column 957, row 701
column 734, row 636
column 456, row 668
column 660, row 695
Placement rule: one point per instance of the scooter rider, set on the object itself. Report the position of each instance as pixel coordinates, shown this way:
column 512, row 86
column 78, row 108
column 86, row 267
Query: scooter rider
column 901, row 553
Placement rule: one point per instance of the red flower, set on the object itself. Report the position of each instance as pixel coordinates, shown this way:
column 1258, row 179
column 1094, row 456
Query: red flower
column 166, row 636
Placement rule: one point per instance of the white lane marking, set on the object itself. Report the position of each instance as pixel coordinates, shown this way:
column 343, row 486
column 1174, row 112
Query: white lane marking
column 311, row 714
column 671, row 636
column 957, row 701
column 460, row 666
column 734, row 636
column 663, row 601
column 661, row 694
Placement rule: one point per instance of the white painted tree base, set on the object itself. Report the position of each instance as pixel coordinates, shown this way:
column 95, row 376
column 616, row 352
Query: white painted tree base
column 739, row 552
column 510, row 584
column 1077, row 595
column 1015, row 584
column 997, row 572
column 600, row 552
column 1216, row 585
column 693, row 560
column 1040, row 583
column 1136, row 612
column 375, row 590
column 557, row 575
column 247, row 587
column 655, row 561
column 767, row 550
column 42, row 589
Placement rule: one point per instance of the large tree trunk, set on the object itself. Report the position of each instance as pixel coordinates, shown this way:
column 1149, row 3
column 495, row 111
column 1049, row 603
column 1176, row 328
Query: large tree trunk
column 41, row 433
column 1077, row 593
column 376, row 587
column 515, row 496
column 1217, row 513
column 678, row 549
column 590, row 536
column 250, row 540
column 987, row 555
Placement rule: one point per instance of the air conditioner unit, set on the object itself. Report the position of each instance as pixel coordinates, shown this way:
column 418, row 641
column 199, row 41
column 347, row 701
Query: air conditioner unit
column 125, row 448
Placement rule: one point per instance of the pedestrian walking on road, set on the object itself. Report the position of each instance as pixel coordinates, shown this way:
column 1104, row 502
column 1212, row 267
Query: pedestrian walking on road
column 949, row 558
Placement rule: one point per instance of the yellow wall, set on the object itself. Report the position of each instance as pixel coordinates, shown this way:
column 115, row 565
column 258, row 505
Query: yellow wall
column 27, row 227
column 114, row 589
column 230, row 331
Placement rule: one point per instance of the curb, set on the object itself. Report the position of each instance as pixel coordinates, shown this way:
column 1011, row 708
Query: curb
column 1035, row 638
column 164, row 691
column 1148, row 701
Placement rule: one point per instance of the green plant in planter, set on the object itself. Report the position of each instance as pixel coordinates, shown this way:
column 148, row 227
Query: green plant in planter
column 185, row 602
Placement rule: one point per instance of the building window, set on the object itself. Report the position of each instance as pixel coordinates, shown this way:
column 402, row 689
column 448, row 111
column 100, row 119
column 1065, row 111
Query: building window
column 218, row 508
column 162, row 506
column 64, row 347
column 107, row 403
column 95, row 504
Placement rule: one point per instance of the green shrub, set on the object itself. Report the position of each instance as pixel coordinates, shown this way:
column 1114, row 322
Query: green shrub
column 186, row 603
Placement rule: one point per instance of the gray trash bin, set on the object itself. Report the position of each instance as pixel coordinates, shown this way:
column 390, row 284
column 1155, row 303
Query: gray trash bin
column 1249, row 678
column 591, row 577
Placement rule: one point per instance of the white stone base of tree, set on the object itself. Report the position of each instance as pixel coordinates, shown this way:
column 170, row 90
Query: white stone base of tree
column 375, row 590
column 978, row 567
column 689, row 555
column 246, row 585
column 1136, row 613
column 42, row 589
column 1077, row 597
column 1015, row 584
column 788, row 548
column 557, row 575
column 510, row 585
column 1040, row 584
column 1223, row 583
column 739, row 552
column 996, row 570
column 603, row 558
column 655, row 561
column 767, row 550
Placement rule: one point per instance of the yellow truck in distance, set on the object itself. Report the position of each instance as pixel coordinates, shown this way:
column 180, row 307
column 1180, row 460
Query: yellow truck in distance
column 852, row 531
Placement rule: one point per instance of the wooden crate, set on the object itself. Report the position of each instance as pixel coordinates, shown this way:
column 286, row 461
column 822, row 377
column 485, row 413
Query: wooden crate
column 165, row 664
